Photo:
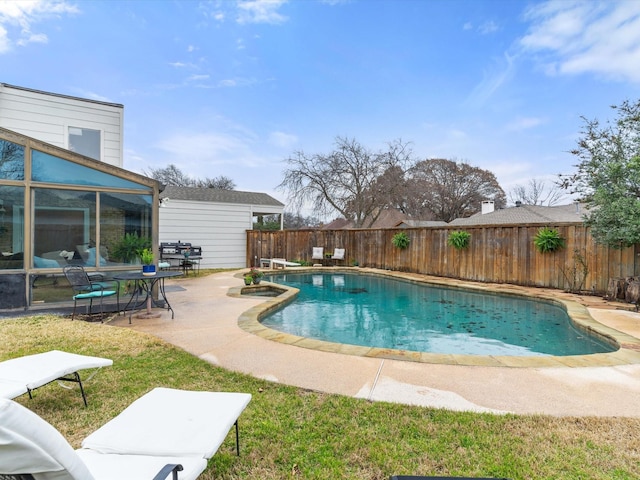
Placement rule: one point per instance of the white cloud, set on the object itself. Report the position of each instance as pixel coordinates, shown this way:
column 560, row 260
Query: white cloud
column 17, row 18
column 282, row 140
column 524, row 123
column 197, row 78
column 260, row 11
column 501, row 72
column 93, row 96
column 586, row 37
column 5, row 43
column 198, row 151
column 488, row 27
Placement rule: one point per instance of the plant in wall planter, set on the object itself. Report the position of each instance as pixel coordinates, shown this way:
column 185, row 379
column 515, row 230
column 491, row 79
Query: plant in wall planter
column 548, row 240
column 146, row 257
column 459, row 240
column 401, row 240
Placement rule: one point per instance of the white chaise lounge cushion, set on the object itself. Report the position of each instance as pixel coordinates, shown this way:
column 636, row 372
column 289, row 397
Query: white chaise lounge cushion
column 138, row 467
column 28, row 444
column 34, row 371
column 171, row 422
column 11, row 388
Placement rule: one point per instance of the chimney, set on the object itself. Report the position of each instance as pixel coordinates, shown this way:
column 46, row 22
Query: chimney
column 487, row 206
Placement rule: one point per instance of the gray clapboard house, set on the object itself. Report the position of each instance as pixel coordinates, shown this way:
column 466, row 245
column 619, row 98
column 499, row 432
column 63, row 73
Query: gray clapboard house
column 213, row 219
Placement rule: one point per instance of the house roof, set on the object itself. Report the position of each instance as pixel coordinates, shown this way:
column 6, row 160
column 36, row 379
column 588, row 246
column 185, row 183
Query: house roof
column 524, row 214
column 422, row 223
column 60, row 95
column 389, row 218
column 216, row 195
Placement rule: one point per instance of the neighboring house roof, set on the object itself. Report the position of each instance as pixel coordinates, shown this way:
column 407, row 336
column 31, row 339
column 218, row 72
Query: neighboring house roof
column 422, row 223
column 523, row 214
column 216, row 195
column 389, row 218
column 337, row 224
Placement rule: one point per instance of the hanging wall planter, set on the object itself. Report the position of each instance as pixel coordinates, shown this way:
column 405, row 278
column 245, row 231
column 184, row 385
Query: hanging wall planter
column 401, row 240
column 459, row 240
column 548, row 240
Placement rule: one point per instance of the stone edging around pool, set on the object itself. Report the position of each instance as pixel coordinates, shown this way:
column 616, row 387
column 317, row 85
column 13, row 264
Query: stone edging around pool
column 627, row 354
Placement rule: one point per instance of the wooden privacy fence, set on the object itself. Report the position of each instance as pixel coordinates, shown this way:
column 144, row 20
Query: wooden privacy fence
column 500, row 254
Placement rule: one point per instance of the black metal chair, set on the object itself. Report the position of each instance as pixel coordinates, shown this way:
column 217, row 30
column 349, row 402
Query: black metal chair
column 86, row 289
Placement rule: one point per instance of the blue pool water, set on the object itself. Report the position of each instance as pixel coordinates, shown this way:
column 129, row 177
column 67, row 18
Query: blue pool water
column 375, row 311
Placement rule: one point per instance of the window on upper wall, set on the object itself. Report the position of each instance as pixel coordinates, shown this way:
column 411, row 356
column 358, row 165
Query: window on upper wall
column 85, row 142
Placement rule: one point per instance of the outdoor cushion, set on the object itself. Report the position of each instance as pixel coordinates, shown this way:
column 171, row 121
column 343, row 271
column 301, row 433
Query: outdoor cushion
column 137, row 467
column 33, row 371
column 338, row 254
column 11, row 388
column 192, row 424
column 95, row 294
column 40, row 262
column 31, row 445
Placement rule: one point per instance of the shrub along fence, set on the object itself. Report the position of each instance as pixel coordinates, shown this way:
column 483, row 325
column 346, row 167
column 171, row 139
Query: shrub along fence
column 500, row 254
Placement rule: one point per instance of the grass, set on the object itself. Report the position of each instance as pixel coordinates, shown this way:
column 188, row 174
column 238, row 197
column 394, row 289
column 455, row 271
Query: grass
column 292, row 433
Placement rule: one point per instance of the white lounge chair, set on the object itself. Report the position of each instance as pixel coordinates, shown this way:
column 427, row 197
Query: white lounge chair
column 281, row 263
column 338, row 254
column 173, row 431
column 24, row 374
column 317, row 254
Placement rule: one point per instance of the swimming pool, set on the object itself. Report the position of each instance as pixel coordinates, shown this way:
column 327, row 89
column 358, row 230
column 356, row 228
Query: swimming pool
column 376, row 311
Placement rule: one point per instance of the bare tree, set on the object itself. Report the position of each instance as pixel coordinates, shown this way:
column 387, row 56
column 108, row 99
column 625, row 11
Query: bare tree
column 445, row 190
column 220, row 182
column 350, row 180
column 172, row 175
column 296, row 221
column 537, row 192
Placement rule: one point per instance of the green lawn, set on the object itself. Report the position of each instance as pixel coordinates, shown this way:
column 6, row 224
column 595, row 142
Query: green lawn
column 288, row 432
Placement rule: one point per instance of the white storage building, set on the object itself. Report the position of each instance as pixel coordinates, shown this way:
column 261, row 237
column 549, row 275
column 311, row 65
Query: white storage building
column 214, row 219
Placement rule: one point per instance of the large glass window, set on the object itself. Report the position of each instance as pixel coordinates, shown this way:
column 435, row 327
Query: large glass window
column 11, row 160
column 11, row 227
column 65, row 232
column 64, row 227
column 52, row 169
column 125, row 226
column 85, row 142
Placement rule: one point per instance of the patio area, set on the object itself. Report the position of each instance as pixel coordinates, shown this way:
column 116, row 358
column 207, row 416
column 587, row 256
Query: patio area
column 206, row 325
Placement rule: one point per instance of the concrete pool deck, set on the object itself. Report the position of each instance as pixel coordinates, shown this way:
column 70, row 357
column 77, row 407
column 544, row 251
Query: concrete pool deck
column 206, row 324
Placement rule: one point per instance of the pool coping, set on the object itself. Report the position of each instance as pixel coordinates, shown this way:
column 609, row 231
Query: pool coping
column 628, row 352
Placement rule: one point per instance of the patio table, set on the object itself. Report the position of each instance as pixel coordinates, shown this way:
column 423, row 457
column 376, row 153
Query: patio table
column 144, row 285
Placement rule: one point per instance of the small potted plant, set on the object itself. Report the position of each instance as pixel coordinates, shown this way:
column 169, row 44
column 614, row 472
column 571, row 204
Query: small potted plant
column 146, row 257
column 248, row 279
column 256, row 275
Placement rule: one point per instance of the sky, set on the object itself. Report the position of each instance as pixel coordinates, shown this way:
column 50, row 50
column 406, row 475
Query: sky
column 235, row 87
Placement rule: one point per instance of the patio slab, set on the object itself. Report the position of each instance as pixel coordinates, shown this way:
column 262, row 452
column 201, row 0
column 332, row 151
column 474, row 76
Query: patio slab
column 206, row 325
